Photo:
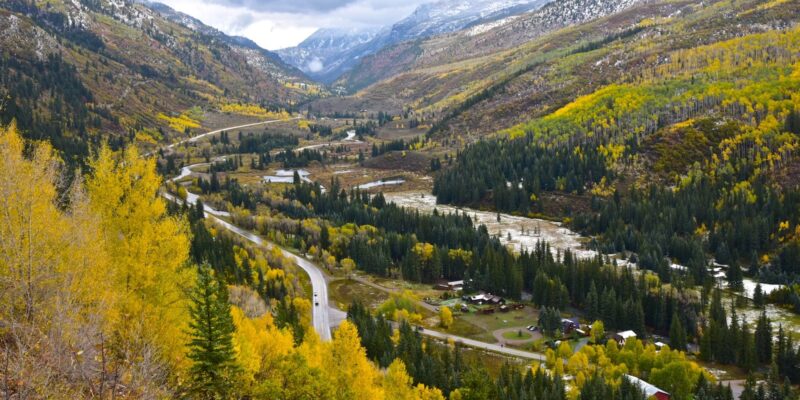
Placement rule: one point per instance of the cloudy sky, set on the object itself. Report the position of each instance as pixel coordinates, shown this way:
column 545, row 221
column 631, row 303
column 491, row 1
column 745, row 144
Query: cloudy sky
column 275, row 24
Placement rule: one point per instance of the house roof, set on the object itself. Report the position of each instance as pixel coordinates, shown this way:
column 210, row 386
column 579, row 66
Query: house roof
column 455, row 283
column 648, row 388
column 627, row 334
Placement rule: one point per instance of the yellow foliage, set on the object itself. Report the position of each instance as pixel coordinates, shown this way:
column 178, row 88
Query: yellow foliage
column 252, row 110
column 108, row 272
column 445, row 316
column 258, row 343
column 149, row 250
column 181, row 123
column 351, row 372
column 424, row 251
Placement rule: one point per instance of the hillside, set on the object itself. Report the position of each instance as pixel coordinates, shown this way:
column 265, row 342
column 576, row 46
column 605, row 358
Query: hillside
column 74, row 69
column 480, row 82
column 686, row 149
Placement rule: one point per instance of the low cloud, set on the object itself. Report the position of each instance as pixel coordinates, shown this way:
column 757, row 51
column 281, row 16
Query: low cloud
column 276, row 24
column 315, row 65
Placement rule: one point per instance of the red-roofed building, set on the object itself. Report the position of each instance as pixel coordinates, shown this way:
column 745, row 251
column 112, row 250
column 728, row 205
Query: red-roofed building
column 649, row 390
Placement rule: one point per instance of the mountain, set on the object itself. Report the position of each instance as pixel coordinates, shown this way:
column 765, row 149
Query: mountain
column 84, row 72
column 329, row 53
column 268, row 62
column 502, row 30
column 451, row 15
column 330, row 50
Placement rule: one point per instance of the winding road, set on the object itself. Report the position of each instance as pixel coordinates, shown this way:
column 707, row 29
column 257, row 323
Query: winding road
column 321, row 309
column 230, row 128
column 321, row 313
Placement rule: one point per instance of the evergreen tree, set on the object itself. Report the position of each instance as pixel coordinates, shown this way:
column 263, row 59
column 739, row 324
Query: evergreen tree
column 211, row 348
column 758, row 296
column 734, row 276
column 747, row 349
column 593, row 303
column 763, row 339
column 750, row 390
column 677, row 335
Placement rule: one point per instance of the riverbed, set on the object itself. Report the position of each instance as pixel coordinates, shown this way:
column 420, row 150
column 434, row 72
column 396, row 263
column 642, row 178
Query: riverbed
column 514, row 231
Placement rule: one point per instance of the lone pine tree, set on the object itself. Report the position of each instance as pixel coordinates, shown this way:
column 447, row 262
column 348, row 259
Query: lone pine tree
column 211, row 347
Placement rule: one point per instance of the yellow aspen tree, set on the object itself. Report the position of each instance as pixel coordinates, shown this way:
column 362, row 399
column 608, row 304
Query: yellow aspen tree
column 348, row 367
column 397, row 383
column 30, row 226
column 149, row 251
column 445, row 317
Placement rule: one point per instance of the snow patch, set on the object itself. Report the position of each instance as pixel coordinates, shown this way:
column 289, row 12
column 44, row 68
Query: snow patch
column 482, row 28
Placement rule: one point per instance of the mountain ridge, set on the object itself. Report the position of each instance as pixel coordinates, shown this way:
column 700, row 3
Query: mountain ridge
column 427, row 20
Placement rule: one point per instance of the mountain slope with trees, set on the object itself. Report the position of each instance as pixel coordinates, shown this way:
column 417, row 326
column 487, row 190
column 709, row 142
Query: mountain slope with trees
column 82, row 73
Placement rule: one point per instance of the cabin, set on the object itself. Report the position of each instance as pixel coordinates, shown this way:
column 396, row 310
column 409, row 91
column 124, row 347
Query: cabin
column 569, row 325
column 649, row 390
column 484, row 298
column 622, row 337
column 452, row 286
column 455, row 285
column 479, row 298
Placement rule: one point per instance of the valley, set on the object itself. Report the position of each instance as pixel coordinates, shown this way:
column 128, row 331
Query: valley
column 512, row 199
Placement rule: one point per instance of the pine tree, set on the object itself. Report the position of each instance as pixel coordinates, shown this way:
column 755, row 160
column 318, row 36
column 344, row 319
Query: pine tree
column 211, row 347
column 763, row 339
column 749, row 392
column 734, row 276
column 758, row 296
column 747, row 349
column 593, row 303
column 677, row 335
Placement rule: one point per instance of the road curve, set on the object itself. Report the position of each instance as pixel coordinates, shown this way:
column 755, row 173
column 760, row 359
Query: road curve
column 230, row 128
column 321, row 312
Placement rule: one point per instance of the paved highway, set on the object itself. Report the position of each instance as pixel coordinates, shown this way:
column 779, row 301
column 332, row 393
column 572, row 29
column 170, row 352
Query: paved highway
column 231, row 128
column 321, row 312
